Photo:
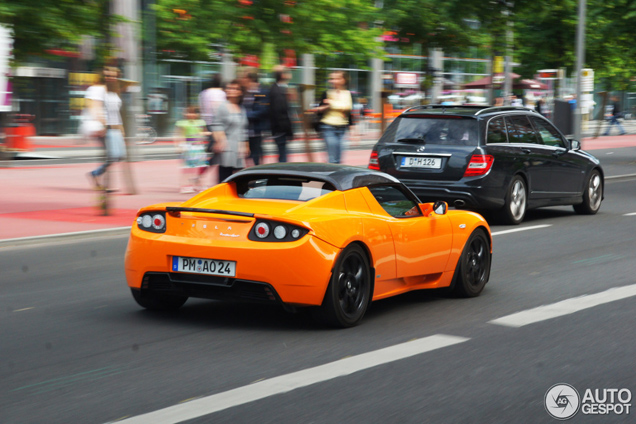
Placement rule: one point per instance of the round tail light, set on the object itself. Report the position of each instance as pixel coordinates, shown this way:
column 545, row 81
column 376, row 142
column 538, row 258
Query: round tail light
column 262, row 230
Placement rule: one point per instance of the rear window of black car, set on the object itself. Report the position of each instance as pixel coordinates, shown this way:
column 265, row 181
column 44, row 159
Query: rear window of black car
column 279, row 187
column 437, row 130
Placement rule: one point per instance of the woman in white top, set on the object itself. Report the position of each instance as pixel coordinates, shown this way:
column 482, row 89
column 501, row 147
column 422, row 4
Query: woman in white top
column 336, row 108
column 114, row 136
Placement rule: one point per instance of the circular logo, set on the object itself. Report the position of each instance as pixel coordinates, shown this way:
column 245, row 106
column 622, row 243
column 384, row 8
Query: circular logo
column 562, row 401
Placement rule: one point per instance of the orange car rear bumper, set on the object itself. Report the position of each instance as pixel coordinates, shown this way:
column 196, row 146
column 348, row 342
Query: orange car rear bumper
column 298, row 271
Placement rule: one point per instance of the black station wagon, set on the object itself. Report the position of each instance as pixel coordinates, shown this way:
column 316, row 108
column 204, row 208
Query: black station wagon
column 504, row 159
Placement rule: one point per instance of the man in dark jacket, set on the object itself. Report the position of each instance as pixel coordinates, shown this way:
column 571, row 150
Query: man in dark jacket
column 256, row 105
column 613, row 118
column 279, row 111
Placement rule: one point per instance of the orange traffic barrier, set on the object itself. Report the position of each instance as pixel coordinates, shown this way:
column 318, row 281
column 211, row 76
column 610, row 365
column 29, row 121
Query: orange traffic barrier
column 17, row 138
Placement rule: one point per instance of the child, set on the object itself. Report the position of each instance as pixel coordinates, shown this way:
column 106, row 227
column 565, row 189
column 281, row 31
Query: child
column 191, row 142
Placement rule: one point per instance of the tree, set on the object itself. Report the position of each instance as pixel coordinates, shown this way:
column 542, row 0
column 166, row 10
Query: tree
column 431, row 23
column 42, row 25
column 245, row 26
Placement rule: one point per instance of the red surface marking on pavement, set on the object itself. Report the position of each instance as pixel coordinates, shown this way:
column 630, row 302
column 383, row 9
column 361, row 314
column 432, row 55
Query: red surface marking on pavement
column 31, row 168
column 609, row 142
column 87, row 215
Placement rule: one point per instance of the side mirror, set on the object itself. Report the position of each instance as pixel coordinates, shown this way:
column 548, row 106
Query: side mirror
column 575, row 144
column 440, row 208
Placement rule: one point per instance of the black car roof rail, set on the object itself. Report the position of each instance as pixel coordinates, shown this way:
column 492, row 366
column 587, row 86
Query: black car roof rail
column 418, row 107
column 505, row 108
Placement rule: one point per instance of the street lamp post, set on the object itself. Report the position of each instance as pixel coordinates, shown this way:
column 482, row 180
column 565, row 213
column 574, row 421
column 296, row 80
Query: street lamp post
column 580, row 59
column 508, row 65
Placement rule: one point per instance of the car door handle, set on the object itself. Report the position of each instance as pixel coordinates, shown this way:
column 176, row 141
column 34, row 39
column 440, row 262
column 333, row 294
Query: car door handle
column 558, row 153
column 528, row 151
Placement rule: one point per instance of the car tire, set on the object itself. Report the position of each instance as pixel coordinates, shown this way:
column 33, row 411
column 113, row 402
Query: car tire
column 514, row 209
column 592, row 195
column 473, row 267
column 349, row 291
column 158, row 301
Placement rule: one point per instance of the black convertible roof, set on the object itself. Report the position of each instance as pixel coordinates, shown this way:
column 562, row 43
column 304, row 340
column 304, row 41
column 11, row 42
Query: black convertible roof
column 342, row 177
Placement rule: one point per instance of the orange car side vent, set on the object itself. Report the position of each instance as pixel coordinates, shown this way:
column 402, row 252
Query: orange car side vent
column 173, row 210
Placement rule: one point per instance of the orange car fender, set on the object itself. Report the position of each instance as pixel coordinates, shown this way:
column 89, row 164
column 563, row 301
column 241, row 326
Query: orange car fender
column 463, row 224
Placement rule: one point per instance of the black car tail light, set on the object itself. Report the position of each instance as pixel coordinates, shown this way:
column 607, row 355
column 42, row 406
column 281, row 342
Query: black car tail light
column 374, row 163
column 276, row 231
column 154, row 222
column 479, row 165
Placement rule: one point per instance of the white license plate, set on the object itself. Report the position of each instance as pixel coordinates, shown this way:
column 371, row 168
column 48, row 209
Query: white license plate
column 421, row 162
column 204, row 266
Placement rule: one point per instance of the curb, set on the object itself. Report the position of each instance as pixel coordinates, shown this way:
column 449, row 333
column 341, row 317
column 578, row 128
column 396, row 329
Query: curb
column 53, row 238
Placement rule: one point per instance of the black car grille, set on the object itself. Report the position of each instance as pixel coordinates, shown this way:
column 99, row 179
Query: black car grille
column 209, row 287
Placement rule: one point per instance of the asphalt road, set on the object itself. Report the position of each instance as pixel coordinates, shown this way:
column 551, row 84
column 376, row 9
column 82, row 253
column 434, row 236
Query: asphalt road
column 75, row 348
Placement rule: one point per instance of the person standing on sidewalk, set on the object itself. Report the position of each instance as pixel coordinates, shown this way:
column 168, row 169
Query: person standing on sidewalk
column 230, row 132
column 114, row 137
column 281, row 125
column 614, row 115
column 257, row 108
column 336, row 108
column 191, row 143
column 209, row 101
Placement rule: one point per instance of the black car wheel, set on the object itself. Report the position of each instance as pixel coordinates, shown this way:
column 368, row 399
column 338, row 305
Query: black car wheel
column 592, row 195
column 516, row 201
column 473, row 268
column 349, row 290
column 158, row 301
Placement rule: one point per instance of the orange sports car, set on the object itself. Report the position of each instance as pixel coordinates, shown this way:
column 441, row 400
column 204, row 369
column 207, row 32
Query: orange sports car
column 327, row 236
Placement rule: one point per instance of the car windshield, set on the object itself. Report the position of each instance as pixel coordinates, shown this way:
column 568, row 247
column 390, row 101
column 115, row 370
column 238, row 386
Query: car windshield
column 437, row 130
column 281, row 187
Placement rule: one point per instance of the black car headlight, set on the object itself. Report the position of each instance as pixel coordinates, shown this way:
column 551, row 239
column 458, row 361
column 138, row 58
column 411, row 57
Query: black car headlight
column 155, row 222
column 275, row 231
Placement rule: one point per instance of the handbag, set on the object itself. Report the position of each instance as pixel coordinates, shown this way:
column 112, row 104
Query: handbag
column 315, row 121
column 89, row 127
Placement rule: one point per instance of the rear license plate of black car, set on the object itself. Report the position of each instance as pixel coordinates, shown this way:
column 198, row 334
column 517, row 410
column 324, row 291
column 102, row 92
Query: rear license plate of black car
column 421, row 162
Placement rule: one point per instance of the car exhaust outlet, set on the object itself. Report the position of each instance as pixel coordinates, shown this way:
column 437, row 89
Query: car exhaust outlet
column 459, row 203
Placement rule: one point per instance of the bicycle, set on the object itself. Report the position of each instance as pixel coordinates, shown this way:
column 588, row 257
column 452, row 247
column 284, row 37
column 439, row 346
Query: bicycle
column 146, row 134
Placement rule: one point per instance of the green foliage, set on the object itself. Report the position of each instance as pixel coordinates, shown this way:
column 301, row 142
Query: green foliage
column 431, row 23
column 41, row 25
column 544, row 30
column 309, row 26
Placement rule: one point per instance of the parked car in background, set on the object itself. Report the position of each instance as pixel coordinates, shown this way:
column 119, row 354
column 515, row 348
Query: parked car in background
column 503, row 159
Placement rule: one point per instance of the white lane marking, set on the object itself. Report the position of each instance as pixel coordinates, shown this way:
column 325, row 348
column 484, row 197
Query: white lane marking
column 24, row 309
column 616, row 177
column 64, row 236
column 565, row 307
column 630, row 214
column 288, row 382
column 516, row 230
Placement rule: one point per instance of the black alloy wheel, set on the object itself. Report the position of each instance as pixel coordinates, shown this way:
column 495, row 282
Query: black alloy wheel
column 158, row 301
column 516, row 203
column 349, row 290
column 592, row 195
column 473, row 268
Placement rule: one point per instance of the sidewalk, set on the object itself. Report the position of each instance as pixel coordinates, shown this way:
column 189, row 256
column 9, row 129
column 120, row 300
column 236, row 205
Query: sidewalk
column 39, row 198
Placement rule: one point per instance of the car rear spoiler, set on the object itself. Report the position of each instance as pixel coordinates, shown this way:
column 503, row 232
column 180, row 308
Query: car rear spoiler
column 173, row 209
